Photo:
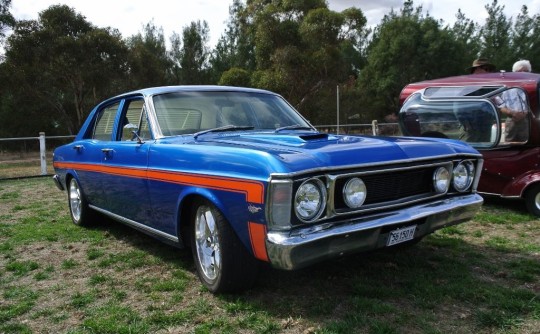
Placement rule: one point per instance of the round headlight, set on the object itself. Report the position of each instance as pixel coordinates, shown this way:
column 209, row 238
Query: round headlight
column 441, row 180
column 309, row 200
column 354, row 193
column 463, row 175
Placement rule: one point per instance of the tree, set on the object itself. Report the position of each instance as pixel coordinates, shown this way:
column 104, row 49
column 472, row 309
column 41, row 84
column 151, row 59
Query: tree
column 235, row 48
column 405, row 48
column 192, row 53
column 7, row 20
column 62, row 64
column 300, row 49
column 525, row 37
column 148, row 60
column 466, row 34
column 495, row 43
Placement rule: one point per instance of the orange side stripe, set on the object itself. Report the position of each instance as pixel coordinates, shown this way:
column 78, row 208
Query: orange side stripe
column 253, row 190
column 257, row 236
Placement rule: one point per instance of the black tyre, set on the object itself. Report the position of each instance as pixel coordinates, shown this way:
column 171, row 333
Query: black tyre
column 532, row 200
column 78, row 207
column 223, row 264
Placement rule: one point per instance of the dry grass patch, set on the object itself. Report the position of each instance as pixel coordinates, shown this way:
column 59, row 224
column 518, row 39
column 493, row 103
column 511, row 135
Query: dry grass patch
column 478, row 277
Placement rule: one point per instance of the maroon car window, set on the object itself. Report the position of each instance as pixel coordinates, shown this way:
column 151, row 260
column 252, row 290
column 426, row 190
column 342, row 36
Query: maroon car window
column 459, row 113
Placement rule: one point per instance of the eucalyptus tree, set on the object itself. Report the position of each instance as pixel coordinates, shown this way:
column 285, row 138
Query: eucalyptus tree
column 300, row 49
column 526, row 37
column 466, row 34
column 190, row 54
column 149, row 63
column 63, row 64
column 235, row 48
column 496, row 38
column 406, row 47
column 7, row 20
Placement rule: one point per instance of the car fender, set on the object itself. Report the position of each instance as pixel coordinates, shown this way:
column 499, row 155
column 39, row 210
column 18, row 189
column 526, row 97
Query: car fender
column 517, row 187
column 239, row 222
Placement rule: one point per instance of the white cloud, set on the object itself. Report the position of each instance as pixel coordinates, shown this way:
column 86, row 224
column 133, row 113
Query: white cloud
column 129, row 16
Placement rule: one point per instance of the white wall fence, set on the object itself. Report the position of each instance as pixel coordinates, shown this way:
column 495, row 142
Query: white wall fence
column 22, row 161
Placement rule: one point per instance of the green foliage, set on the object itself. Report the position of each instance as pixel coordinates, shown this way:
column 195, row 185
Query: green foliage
column 6, row 19
column 148, row 60
column 62, row 63
column 56, row 68
column 192, row 58
column 235, row 77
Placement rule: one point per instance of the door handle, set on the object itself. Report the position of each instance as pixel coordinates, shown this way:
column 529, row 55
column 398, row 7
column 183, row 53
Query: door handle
column 106, row 150
column 78, row 147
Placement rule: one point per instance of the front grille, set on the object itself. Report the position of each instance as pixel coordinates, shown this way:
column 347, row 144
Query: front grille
column 389, row 187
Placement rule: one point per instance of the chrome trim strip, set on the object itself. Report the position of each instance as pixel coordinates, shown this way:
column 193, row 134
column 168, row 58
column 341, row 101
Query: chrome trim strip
column 499, row 195
column 310, row 245
column 329, row 170
column 57, row 182
column 136, row 225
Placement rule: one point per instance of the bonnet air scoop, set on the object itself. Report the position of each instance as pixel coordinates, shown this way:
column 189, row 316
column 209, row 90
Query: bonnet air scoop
column 314, row 136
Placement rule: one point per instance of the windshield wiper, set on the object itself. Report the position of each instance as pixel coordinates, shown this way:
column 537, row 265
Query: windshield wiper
column 223, row 129
column 293, row 127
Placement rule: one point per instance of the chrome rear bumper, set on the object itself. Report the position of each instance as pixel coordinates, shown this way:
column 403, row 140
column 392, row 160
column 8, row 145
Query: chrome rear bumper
column 305, row 247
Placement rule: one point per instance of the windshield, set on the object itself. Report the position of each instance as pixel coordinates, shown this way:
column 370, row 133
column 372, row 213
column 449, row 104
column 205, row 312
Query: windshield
column 194, row 112
column 492, row 120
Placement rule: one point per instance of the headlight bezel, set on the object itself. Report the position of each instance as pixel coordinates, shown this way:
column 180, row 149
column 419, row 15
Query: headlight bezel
column 346, row 189
column 316, row 184
column 466, row 169
column 441, row 180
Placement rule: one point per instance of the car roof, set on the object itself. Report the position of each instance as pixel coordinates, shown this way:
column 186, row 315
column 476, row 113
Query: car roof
column 526, row 80
column 191, row 88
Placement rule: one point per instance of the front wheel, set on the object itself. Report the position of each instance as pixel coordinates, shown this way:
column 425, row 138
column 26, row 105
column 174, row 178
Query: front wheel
column 78, row 207
column 223, row 264
column 532, row 200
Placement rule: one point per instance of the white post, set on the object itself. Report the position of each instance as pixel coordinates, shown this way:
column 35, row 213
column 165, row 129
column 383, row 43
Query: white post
column 42, row 153
column 337, row 102
column 375, row 127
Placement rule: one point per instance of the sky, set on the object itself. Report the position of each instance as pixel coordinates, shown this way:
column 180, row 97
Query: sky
column 129, row 16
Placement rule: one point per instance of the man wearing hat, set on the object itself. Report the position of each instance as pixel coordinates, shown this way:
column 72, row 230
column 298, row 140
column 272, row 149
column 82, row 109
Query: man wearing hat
column 481, row 65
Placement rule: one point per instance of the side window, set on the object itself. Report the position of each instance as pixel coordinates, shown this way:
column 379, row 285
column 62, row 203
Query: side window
column 134, row 120
column 130, row 120
column 514, row 110
column 103, row 128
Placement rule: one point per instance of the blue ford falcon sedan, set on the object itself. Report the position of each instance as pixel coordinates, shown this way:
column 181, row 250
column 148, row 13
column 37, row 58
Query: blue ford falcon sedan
column 242, row 178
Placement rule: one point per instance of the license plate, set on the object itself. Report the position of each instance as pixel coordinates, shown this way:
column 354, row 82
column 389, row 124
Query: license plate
column 401, row 235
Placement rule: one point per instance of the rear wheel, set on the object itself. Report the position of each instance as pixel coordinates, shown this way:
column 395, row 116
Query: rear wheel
column 78, row 207
column 223, row 264
column 532, row 200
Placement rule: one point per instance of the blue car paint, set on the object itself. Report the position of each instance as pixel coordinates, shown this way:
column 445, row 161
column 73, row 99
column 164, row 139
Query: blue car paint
column 247, row 155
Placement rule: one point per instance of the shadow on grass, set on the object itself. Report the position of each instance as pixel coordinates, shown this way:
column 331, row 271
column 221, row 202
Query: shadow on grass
column 444, row 284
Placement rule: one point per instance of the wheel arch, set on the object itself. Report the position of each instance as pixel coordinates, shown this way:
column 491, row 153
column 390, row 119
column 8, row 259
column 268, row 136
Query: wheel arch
column 186, row 201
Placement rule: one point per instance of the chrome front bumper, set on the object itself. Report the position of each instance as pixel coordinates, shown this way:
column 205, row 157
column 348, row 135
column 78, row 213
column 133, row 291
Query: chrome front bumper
column 305, row 247
column 57, row 182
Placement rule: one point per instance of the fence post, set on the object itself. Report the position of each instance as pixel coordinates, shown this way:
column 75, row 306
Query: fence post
column 375, row 127
column 42, row 153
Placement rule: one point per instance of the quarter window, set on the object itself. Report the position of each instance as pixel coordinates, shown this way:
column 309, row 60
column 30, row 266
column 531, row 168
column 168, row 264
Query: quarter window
column 105, row 123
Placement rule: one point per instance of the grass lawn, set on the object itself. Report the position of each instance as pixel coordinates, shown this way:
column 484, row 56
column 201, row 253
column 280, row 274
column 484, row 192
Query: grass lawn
column 482, row 276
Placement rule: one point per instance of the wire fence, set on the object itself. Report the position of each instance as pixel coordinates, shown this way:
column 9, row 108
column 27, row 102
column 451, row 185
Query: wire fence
column 24, row 157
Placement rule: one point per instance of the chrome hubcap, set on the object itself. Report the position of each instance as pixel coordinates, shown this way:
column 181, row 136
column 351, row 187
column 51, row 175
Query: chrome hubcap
column 75, row 200
column 207, row 242
column 537, row 201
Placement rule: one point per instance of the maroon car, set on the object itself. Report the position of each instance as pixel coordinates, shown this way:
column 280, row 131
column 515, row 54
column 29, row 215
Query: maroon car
column 497, row 113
